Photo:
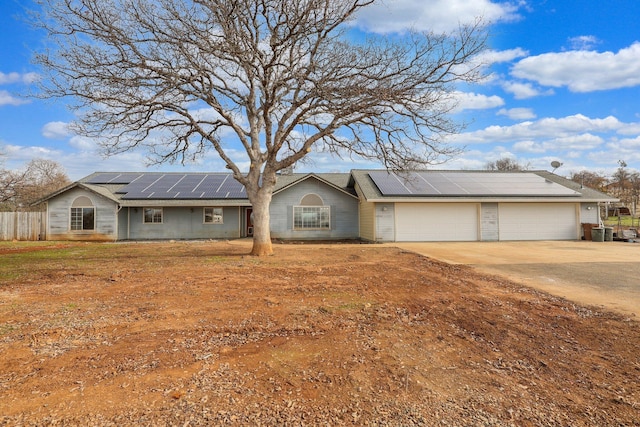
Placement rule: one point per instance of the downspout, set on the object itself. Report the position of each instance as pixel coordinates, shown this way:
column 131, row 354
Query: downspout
column 46, row 222
column 118, row 209
column 600, row 222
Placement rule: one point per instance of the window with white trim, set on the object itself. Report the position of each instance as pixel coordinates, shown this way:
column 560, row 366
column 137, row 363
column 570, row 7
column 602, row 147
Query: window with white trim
column 152, row 216
column 311, row 214
column 83, row 214
column 213, row 216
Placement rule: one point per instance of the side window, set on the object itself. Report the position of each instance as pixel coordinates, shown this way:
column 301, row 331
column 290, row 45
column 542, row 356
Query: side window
column 213, row 216
column 152, row 216
column 82, row 215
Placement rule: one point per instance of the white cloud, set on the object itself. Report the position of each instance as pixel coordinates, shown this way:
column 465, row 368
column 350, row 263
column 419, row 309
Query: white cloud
column 524, row 90
column 517, row 113
column 573, row 140
column 583, row 71
column 475, row 101
column 489, row 57
column 7, row 99
column 17, row 78
column 17, row 156
column 9, row 78
column 630, row 129
column 83, row 144
column 583, row 42
column 546, row 128
column 529, row 147
column 578, row 143
column 56, row 130
column 397, row 16
column 469, row 160
column 627, row 144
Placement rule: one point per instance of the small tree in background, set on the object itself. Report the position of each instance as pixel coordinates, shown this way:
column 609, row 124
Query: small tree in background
column 625, row 185
column 590, row 179
column 274, row 77
column 505, row 164
column 19, row 189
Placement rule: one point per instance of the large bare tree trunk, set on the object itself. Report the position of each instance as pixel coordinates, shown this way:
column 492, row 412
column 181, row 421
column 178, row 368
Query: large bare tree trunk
column 261, row 223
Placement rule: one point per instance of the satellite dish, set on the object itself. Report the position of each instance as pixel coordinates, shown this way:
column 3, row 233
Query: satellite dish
column 555, row 165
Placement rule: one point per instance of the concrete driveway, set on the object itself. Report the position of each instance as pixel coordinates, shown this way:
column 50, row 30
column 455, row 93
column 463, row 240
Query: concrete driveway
column 602, row 274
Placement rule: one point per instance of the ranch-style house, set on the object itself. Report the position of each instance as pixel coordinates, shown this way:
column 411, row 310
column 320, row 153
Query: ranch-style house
column 371, row 205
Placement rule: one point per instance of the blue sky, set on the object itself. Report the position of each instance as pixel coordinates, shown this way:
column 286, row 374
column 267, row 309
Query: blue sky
column 564, row 84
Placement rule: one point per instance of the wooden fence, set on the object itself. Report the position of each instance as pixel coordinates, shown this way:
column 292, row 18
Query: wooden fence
column 23, row 225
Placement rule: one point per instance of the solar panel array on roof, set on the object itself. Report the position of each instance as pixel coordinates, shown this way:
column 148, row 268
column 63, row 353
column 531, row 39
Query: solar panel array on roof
column 159, row 186
column 427, row 183
column 113, row 178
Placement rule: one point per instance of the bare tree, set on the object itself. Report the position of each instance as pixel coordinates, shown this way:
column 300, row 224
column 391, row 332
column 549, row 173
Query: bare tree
column 591, row 180
column 19, row 189
column 505, row 164
column 634, row 183
column 42, row 177
column 621, row 177
column 9, row 184
column 276, row 77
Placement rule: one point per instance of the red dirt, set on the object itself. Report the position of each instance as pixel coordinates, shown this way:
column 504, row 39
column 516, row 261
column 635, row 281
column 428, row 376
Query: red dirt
column 201, row 334
column 30, row 247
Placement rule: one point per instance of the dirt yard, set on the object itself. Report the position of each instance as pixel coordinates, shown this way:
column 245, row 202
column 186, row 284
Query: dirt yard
column 199, row 333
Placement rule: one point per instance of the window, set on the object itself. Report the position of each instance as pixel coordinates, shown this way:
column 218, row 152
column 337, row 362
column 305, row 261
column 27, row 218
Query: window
column 311, row 217
column 213, row 215
column 311, row 214
column 83, row 214
column 83, row 218
column 152, row 215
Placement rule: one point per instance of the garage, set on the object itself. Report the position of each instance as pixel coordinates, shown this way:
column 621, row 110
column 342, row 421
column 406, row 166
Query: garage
column 489, row 206
column 538, row 221
column 436, row 222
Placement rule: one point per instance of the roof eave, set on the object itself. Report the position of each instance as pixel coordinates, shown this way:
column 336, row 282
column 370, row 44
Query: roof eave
column 87, row 187
column 313, row 175
column 136, row 203
column 446, row 199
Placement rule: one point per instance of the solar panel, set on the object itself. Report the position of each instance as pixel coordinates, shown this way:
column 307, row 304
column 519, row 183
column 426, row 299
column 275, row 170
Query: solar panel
column 136, row 187
column 113, row 178
column 389, row 183
column 159, row 186
column 188, row 183
column 454, row 184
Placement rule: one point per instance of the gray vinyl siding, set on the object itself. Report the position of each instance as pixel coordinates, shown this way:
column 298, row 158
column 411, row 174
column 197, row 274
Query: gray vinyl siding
column 180, row 223
column 59, row 217
column 589, row 213
column 344, row 212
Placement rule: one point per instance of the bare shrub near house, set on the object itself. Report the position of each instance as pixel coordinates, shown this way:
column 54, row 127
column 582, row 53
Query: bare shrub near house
column 276, row 78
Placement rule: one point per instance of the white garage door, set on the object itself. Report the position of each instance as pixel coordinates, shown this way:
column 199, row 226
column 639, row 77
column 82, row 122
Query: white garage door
column 537, row 221
column 436, row 222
